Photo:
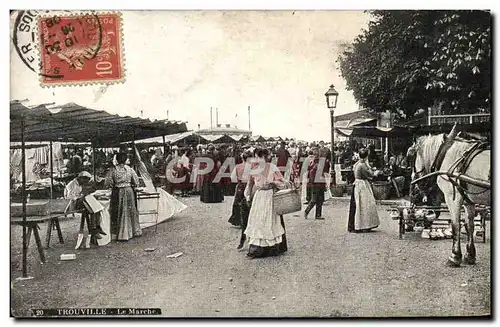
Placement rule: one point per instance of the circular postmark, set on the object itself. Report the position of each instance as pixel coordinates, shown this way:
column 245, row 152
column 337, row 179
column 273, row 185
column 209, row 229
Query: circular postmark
column 53, row 44
column 24, row 38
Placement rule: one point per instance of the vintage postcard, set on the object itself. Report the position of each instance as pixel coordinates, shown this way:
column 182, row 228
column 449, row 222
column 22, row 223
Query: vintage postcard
column 249, row 164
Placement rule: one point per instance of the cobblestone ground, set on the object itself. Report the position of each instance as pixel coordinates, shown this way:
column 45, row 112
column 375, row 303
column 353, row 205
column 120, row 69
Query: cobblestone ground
column 327, row 272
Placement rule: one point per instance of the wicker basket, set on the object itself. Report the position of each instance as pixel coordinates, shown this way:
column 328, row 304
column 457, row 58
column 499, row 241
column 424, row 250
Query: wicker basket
column 337, row 191
column 381, row 190
column 287, row 201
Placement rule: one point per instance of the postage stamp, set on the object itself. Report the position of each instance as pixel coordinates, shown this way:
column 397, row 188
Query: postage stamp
column 81, row 49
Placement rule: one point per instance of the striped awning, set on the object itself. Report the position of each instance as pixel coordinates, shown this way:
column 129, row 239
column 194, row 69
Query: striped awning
column 74, row 123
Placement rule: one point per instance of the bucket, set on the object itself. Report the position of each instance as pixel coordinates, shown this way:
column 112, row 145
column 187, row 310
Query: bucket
column 381, row 190
column 337, row 190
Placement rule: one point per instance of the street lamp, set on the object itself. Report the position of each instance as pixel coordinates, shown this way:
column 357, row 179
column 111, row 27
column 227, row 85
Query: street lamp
column 331, row 102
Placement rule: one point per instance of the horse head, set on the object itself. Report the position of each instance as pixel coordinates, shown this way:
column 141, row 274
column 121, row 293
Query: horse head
column 425, row 151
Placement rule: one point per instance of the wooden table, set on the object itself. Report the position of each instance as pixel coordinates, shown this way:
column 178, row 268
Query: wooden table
column 32, row 224
column 484, row 213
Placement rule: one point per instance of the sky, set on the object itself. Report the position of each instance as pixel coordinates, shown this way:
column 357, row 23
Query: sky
column 280, row 63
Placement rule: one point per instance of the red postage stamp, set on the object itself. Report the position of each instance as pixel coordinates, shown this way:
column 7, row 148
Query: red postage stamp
column 81, row 49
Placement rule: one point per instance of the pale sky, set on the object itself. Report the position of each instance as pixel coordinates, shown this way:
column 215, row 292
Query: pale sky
column 279, row 63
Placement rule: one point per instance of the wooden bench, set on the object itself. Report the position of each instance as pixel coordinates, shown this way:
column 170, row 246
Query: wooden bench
column 32, row 224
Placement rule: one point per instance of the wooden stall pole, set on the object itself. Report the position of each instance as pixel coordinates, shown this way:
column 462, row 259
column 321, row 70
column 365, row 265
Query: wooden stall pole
column 164, row 147
column 332, row 151
column 93, row 163
column 23, row 196
column 134, row 158
column 51, row 171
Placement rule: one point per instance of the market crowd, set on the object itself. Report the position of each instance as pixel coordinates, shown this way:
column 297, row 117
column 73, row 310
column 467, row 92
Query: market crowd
column 252, row 172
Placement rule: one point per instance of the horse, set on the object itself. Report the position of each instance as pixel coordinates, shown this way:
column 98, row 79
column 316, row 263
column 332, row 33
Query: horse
column 453, row 152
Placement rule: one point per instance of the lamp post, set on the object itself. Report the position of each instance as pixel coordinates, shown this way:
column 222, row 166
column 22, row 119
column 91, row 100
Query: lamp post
column 331, row 102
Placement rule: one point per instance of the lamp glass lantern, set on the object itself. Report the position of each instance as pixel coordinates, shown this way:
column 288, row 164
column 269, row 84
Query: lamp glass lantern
column 331, row 97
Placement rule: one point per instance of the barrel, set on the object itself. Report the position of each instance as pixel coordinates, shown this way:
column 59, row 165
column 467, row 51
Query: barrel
column 381, row 189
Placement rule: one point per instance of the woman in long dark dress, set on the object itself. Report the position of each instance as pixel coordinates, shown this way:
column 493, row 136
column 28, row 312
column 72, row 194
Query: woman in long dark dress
column 211, row 190
column 184, row 171
column 123, row 206
column 239, row 215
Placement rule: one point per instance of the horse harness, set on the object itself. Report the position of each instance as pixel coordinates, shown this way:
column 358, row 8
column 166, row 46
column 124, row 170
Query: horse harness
column 460, row 166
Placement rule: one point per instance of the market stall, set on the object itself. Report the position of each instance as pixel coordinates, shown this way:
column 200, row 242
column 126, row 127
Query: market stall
column 388, row 183
column 72, row 123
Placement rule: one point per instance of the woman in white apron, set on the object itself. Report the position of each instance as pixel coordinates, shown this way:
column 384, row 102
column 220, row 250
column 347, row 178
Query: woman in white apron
column 363, row 215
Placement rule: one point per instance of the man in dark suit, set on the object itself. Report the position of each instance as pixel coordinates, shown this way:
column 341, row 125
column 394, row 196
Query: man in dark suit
column 317, row 184
column 325, row 152
column 282, row 155
column 308, row 162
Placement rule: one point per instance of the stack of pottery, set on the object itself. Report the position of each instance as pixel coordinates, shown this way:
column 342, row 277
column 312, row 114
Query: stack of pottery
column 419, row 228
column 440, row 233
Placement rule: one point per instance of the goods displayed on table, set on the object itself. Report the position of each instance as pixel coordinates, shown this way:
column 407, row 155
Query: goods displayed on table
column 430, row 225
column 33, row 208
column 102, row 194
column 39, row 189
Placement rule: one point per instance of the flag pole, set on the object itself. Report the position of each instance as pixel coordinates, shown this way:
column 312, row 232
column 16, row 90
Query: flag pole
column 249, row 127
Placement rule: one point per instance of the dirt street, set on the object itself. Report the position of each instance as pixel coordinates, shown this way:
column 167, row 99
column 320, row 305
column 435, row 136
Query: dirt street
column 327, row 272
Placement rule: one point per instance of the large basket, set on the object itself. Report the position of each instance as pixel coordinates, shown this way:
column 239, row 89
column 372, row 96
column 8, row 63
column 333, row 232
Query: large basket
column 287, row 201
column 381, row 190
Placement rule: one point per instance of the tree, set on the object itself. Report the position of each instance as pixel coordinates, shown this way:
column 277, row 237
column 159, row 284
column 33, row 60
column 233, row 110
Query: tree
column 411, row 60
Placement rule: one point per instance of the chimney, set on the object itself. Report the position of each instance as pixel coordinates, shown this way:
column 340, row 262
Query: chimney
column 218, row 125
column 217, row 116
column 228, row 125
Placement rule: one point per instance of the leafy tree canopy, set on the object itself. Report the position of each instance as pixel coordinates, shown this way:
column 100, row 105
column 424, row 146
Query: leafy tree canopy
column 411, row 60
